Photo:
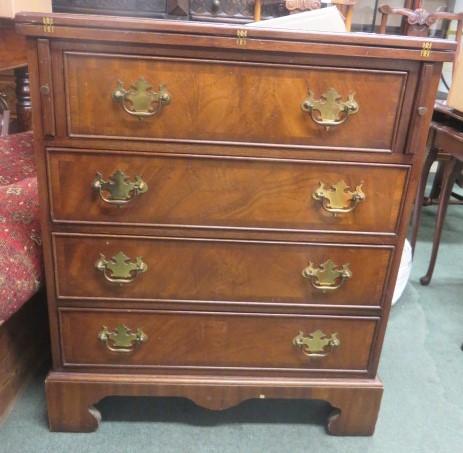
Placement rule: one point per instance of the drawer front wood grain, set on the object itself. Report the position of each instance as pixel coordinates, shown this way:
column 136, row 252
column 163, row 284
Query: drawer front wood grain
column 214, row 340
column 224, row 271
column 232, row 102
column 213, row 192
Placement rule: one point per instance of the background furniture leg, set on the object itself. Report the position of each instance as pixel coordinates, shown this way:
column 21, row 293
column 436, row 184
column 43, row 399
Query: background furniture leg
column 430, row 158
column 452, row 170
column 23, row 95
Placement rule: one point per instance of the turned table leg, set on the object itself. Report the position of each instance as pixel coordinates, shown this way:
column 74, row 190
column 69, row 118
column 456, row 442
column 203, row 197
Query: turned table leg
column 23, row 97
column 452, row 170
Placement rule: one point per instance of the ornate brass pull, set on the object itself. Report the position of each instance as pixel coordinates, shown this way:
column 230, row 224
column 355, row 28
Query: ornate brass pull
column 122, row 271
column 329, row 110
column 138, row 100
column 338, row 198
column 122, row 339
column 327, row 277
column 316, row 344
column 121, row 190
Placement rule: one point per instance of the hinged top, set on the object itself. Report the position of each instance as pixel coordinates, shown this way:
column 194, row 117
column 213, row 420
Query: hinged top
column 125, row 29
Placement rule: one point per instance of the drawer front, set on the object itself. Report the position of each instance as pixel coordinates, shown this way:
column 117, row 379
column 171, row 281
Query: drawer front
column 231, row 102
column 224, row 271
column 215, row 340
column 199, row 191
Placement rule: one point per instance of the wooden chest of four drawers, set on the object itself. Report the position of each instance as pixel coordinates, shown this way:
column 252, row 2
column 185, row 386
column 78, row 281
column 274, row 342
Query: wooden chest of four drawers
column 223, row 209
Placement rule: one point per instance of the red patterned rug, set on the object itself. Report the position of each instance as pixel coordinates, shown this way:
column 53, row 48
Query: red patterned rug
column 21, row 268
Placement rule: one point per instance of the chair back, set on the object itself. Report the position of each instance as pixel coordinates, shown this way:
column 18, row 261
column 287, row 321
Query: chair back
column 418, row 22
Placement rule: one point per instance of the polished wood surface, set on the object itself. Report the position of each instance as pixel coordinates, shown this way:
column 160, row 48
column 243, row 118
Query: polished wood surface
column 228, row 222
column 234, row 193
column 71, row 396
column 211, row 270
column 223, row 98
column 207, row 342
column 13, row 46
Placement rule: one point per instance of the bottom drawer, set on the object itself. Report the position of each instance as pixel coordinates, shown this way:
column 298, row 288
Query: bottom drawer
column 188, row 340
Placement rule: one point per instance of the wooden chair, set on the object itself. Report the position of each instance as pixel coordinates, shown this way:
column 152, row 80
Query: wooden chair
column 419, row 21
column 444, row 139
column 346, row 7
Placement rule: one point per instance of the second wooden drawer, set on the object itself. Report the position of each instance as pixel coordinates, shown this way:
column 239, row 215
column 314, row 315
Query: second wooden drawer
column 219, row 192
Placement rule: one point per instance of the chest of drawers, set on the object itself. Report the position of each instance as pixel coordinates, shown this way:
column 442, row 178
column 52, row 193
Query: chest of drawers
column 223, row 209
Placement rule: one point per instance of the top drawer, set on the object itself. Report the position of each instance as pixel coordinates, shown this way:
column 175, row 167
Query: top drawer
column 234, row 102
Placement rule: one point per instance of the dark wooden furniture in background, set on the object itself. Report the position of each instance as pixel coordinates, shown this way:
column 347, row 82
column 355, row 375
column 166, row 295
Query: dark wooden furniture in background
column 190, row 247
column 13, row 58
column 24, row 336
column 156, row 9
column 234, row 11
column 445, row 137
column 24, row 350
column 419, row 21
column 445, row 143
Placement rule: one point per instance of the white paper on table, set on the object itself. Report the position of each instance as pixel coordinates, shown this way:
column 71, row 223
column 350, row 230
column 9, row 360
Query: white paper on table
column 325, row 19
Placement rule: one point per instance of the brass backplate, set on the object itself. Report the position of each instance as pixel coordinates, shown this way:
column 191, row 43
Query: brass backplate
column 316, row 344
column 338, row 198
column 122, row 339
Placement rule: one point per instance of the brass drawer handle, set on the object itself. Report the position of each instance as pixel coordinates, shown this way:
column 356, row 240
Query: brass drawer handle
column 329, row 110
column 327, row 277
column 338, row 199
column 121, row 190
column 316, row 344
column 119, row 270
column 138, row 100
column 122, row 339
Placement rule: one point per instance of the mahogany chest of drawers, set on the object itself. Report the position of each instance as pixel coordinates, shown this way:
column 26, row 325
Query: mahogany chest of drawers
column 223, row 208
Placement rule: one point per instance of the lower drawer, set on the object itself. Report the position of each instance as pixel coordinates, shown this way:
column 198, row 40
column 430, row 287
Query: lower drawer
column 210, row 271
column 187, row 340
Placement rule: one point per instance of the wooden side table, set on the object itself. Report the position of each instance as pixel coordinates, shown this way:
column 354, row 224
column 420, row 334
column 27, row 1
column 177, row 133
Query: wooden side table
column 445, row 138
column 13, row 57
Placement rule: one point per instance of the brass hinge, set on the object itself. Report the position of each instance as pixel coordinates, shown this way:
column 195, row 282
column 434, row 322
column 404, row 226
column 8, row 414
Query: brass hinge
column 48, row 25
column 426, row 50
column 241, row 37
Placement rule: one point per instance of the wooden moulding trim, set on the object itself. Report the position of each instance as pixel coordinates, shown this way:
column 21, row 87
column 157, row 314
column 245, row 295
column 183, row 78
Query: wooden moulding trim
column 208, row 239
column 382, row 234
column 218, row 305
column 386, row 151
column 253, row 43
column 71, row 396
column 213, row 380
column 35, row 20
